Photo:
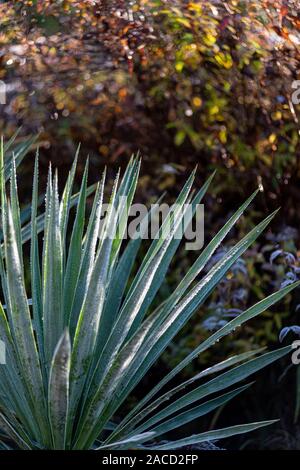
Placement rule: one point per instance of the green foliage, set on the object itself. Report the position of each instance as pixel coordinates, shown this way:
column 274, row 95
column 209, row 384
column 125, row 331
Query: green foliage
column 91, row 336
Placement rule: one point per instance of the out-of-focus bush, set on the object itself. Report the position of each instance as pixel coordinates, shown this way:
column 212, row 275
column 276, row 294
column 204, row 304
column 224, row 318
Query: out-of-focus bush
column 181, row 81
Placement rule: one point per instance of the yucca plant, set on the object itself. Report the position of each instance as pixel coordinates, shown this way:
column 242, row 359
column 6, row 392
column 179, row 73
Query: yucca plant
column 83, row 336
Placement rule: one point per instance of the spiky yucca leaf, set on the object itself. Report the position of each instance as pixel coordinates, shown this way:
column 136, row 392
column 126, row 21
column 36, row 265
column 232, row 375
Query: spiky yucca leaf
column 90, row 336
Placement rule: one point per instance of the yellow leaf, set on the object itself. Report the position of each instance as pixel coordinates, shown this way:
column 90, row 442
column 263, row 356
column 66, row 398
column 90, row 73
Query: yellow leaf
column 197, row 101
column 214, row 110
column 223, row 135
column 276, row 116
column 195, row 7
column 184, row 21
column 179, row 66
column 224, row 60
column 209, row 39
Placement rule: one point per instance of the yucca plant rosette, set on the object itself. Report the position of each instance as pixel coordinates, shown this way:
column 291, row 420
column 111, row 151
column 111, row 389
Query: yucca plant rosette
column 83, row 334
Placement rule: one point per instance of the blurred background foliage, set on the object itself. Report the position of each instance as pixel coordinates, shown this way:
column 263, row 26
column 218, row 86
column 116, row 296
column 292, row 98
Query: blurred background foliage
column 210, row 81
column 184, row 83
